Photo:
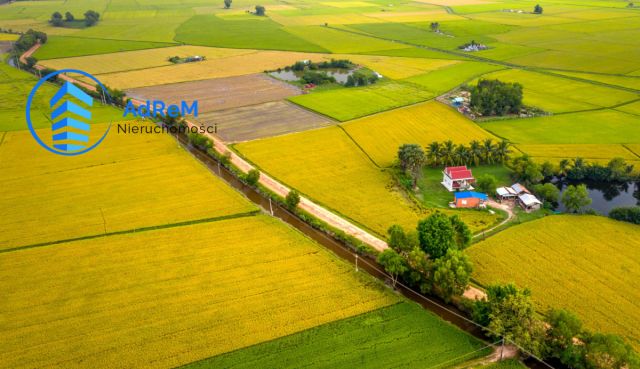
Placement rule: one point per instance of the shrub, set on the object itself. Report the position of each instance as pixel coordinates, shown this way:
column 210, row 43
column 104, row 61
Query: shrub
column 629, row 214
column 292, row 200
column 252, row 177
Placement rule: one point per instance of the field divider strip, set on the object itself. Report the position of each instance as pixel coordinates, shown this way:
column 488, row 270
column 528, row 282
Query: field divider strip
column 623, row 145
column 358, row 146
column 136, row 230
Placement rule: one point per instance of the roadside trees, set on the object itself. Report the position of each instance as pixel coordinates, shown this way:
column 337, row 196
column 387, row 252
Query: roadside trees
column 393, row 263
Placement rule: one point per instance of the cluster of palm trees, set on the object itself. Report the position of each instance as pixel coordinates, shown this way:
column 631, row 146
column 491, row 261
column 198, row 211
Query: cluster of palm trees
column 476, row 153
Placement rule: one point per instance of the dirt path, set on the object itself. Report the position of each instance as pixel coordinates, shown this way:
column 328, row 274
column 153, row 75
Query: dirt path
column 504, row 207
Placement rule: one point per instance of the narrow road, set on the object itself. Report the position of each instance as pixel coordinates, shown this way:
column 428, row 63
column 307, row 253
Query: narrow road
column 497, row 205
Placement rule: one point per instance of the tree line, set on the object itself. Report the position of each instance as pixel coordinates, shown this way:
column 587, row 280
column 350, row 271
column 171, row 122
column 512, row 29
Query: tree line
column 431, row 259
column 494, row 97
column 91, row 17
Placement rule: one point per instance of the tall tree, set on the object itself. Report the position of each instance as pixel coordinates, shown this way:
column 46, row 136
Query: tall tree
column 56, row 19
column 436, row 235
column 91, row 17
column 461, row 154
column 487, row 183
column 488, row 151
column 433, row 153
column 260, row 10
column 563, row 328
column 69, row 17
column 393, row 263
column 412, row 159
column 227, row 4
column 502, row 151
column 576, row 198
column 537, row 9
column 475, row 152
column 452, row 273
column 447, row 152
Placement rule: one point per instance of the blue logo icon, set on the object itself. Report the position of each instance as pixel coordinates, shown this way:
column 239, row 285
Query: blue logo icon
column 70, row 128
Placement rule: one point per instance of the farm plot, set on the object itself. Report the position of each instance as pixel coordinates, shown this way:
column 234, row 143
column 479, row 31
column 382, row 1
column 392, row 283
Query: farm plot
column 587, row 151
column 327, row 166
column 595, row 274
column 348, row 103
column 165, row 298
column 66, row 46
column 447, row 78
column 128, row 182
column 236, row 65
column 559, row 95
column 139, row 59
column 242, row 31
column 402, row 335
column 624, row 81
column 220, row 93
column 595, row 127
column 341, row 42
column 380, row 135
column 633, row 108
column 262, row 120
column 399, row 67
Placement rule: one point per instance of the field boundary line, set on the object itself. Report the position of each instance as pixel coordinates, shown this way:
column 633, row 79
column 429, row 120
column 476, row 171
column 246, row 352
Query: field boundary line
column 136, row 230
column 358, row 146
column 2, row 138
column 637, row 155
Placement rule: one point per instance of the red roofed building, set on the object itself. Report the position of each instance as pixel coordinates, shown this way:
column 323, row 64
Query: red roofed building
column 457, row 178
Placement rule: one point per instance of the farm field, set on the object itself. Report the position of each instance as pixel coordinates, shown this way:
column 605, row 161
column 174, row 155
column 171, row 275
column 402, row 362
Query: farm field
column 400, row 67
column 108, row 190
column 139, row 59
column 623, row 81
column 219, row 93
column 349, row 103
column 341, row 177
column 380, row 135
column 444, row 79
column 596, row 127
column 585, row 151
column 247, row 123
column 236, row 65
column 559, row 95
column 204, row 277
column 66, row 46
column 594, row 273
column 401, row 334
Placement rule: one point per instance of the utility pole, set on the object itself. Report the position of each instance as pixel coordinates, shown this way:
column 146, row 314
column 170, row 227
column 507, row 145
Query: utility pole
column 502, row 349
column 356, row 262
column 270, row 206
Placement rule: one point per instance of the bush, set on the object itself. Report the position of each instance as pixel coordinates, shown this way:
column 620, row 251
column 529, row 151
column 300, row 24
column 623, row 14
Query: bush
column 260, row 10
column 292, row 200
column 547, row 192
column 487, row 183
column 252, row 177
column 199, row 140
column 629, row 214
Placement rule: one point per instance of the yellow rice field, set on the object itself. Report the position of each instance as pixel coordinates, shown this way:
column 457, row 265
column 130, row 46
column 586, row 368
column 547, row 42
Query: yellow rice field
column 380, row 135
column 420, row 16
column 318, row 20
column 594, row 272
column 139, row 59
column 398, row 67
column 585, row 151
column 128, row 182
column 8, row 37
column 327, row 166
column 222, row 67
column 165, row 298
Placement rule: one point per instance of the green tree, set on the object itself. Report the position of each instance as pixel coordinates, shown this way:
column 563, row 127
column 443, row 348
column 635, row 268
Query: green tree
column 433, row 153
column 576, row 198
column 56, row 19
column 618, row 169
column 260, row 10
column 537, row 9
column 475, row 152
column 487, row 183
column 31, row 62
column 563, row 328
column 227, row 4
column 393, row 263
column 608, row 351
column 548, row 192
column 452, row 273
column 524, row 169
column 502, row 151
column 462, row 233
column 511, row 316
column 252, row 177
column 292, row 199
column 401, row 241
column 461, row 155
column 91, row 17
column 436, row 235
column 493, row 97
column 447, row 152
column 546, row 169
column 412, row 159
column 488, row 151
column 69, row 17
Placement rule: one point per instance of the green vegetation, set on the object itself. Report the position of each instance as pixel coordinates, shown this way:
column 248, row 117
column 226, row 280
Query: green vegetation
column 400, row 335
column 346, row 104
column 66, row 46
column 493, row 97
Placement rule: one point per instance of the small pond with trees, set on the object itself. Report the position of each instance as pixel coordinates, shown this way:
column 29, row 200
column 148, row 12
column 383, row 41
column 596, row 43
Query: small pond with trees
column 605, row 196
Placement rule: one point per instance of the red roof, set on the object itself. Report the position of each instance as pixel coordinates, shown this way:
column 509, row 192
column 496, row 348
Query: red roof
column 458, row 173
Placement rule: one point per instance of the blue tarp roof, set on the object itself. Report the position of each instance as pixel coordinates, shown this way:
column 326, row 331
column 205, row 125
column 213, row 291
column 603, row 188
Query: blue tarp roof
column 468, row 194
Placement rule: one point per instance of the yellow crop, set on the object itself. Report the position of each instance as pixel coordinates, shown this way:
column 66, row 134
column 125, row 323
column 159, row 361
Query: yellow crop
column 380, row 135
column 164, row 298
column 588, row 264
column 398, row 67
column 586, row 151
column 129, row 181
column 327, row 166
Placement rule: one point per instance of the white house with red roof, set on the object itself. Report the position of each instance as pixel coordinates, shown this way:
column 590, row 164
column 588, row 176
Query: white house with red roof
column 457, row 178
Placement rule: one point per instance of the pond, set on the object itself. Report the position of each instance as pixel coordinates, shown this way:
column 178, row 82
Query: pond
column 340, row 75
column 605, row 195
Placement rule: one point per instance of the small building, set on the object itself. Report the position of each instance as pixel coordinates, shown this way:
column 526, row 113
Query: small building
column 457, row 101
column 457, row 178
column 528, row 202
column 506, row 193
column 469, row 199
column 519, row 189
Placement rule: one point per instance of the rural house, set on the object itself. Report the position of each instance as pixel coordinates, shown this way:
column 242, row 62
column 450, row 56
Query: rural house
column 469, row 200
column 457, row 178
column 506, row 193
column 528, row 202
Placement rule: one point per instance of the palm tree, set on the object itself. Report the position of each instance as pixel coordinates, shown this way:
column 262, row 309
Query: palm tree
column 461, row 155
column 433, row 153
column 446, row 152
column 563, row 167
column 502, row 151
column 475, row 152
column 488, row 151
